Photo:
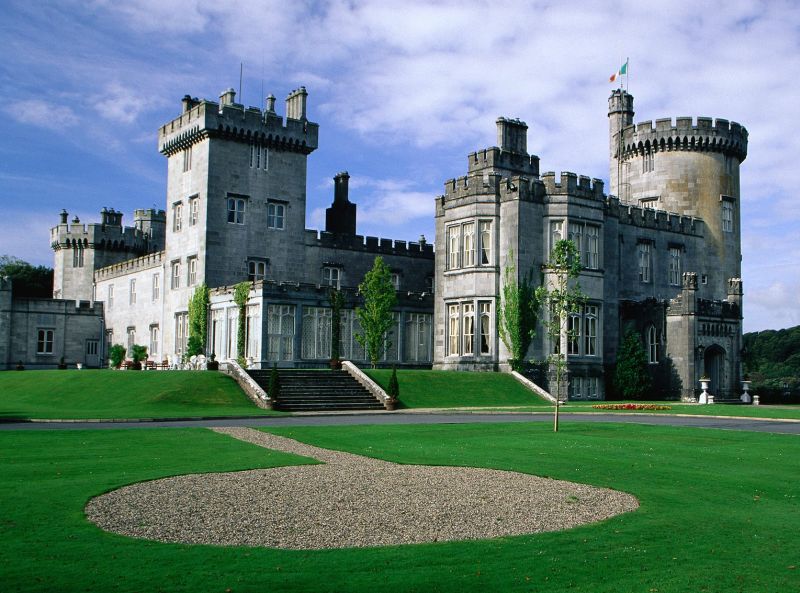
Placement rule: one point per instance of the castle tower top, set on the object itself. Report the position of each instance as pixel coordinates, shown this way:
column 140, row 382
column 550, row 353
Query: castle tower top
column 620, row 103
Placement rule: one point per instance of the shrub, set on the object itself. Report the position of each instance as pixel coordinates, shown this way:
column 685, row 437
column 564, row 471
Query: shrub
column 631, row 379
column 138, row 352
column 394, row 387
column 116, row 354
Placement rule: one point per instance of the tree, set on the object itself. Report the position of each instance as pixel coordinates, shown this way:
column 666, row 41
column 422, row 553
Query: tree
column 198, row 321
column 376, row 315
column 274, row 389
column 27, row 280
column 631, row 379
column 516, row 315
column 241, row 292
column 116, row 354
column 561, row 298
column 393, row 390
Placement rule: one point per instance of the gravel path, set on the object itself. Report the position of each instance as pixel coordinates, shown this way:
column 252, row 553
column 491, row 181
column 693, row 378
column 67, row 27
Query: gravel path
column 349, row 501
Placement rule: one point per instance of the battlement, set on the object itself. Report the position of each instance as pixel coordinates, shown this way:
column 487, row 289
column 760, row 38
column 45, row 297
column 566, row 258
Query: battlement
column 573, row 185
column 650, row 218
column 108, row 234
column 494, row 159
column 376, row 245
column 226, row 119
column 683, row 133
column 145, row 262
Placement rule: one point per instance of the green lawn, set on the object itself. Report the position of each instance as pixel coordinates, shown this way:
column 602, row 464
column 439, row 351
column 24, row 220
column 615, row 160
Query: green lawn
column 777, row 412
column 719, row 513
column 111, row 394
column 455, row 389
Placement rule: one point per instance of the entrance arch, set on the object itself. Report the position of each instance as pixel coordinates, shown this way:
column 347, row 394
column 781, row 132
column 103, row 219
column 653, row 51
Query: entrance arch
column 714, row 369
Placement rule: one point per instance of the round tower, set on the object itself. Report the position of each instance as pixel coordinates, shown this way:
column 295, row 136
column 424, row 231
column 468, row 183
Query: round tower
column 620, row 116
column 691, row 168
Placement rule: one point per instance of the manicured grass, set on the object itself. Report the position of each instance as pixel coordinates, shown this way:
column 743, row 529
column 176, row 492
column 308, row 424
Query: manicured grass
column 719, row 512
column 454, row 389
column 111, row 394
column 777, row 412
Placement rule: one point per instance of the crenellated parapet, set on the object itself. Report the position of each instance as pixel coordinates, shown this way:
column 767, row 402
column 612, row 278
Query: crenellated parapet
column 684, row 134
column 574, row 185
column 494, row 158
column 649, row 218
column 146, row 262
column 109, row 234
column 421, row 249
column 226, row 119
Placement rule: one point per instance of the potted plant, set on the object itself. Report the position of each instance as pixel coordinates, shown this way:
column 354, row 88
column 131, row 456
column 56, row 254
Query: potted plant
column 20, row 366
column 274, row 389
column 393, row 391
column 62, row 366
column 79, row 365
column 212, row 364
column 704, row 382
column 138, row 354
column 116, row 354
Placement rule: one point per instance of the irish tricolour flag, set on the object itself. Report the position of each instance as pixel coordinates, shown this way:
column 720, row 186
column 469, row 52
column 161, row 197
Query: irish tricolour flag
column 622, row 70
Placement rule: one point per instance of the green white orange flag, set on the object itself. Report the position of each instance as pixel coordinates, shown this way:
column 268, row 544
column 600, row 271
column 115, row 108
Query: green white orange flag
column 622, row 70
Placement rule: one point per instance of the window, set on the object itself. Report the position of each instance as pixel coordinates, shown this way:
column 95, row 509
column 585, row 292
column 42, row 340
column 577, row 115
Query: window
column 647, row 162
column 131, row 340
column 573, row 333
column 586, row 239
column 592, row 242
column 675, row 266
column 468, row 324
column 275, row 216
column 652, row 345
column 453, row 315
column 156, row 286
column 331, row 276
column 77, row 255
column 468, row 242
column 44, row 341
column 485, row 327
column 91, row 347
column 418, row 337
column 643, row 249
column 727, row 216
column 316, row 339
column 177, row 217
column 252, row 333
column 590, row 333
column 280, row 332
column 236, row 210
column 556, row 232
column 256, row 159
column 109, row 338
column 176, row 275
column 181, row 332
column 187, row 159
column 453, row 246
column 191, row 271
column 155, row 339
column 110, row 296
column 132, row 294
column 395, row 279
column 584, row 387
column 194, row 210
column 256, row 270
column 485, row 231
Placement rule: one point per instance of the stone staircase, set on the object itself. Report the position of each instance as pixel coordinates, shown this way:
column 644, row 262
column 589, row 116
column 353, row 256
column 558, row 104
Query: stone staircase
column 317, row 390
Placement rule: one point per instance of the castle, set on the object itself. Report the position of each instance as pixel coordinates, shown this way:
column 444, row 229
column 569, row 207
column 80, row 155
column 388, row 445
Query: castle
column 662, row 255
column 662, row 258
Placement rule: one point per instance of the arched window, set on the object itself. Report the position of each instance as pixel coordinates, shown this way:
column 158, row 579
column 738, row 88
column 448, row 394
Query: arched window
column 652, row 345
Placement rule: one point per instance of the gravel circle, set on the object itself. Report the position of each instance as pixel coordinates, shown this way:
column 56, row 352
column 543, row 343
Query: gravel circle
column 349, row 501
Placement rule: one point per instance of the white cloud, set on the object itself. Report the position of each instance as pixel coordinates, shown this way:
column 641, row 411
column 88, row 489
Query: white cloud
column 41, row 113
column 119, row 103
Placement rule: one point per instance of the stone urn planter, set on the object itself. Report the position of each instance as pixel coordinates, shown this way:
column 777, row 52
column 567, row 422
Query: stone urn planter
column 79, row 365
column 746, row 392
column 704, row 382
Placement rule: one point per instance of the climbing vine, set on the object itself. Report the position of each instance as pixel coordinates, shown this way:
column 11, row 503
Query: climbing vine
column 198, row 321
column 241, row 292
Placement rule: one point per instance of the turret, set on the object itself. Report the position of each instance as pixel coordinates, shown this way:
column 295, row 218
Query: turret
column 620, row 116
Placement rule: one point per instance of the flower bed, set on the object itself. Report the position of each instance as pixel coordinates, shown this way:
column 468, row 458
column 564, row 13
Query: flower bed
column 631, row 407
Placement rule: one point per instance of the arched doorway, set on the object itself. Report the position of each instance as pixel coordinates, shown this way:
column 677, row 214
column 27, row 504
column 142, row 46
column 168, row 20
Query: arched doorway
column 714, row 369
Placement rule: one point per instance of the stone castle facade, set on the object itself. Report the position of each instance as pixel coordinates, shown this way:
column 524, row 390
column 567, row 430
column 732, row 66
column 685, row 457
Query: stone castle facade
column 661, row 251
column 663, row 257
column 235, row 211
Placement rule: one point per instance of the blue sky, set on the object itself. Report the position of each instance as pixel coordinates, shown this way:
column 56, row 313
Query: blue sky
column 401, row 96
